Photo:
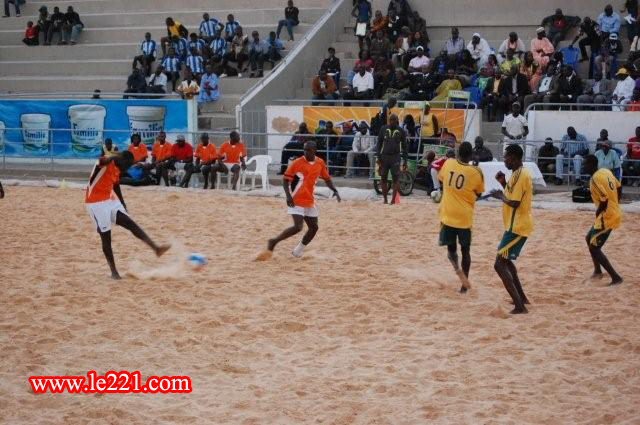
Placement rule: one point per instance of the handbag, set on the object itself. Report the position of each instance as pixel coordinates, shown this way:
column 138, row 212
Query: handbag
column 361, row 29
column 581, row 195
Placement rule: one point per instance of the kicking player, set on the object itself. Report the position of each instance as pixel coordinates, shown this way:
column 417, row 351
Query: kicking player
column 300, row 200
column 518, row 223
column 106, row 210
column 605, row 192
column 462, row 184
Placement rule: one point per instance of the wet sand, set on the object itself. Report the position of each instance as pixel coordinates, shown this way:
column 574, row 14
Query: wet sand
column 366, row 328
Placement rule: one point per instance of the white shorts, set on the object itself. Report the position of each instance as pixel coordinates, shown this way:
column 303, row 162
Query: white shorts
column 305, row 212
column 104, row 213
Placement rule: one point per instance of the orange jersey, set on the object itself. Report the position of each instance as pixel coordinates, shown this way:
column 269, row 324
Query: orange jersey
column 232, row 153
column 100, row 187
column 206, row 153
column 161, row 152
column 139, row 153
column 308, row 173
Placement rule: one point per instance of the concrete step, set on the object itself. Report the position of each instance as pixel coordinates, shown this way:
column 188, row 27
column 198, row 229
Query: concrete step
column 491, row 131
column 216, row 121
column 226, row 103
column 78, row 52
column 131, row 33
column 191, row 19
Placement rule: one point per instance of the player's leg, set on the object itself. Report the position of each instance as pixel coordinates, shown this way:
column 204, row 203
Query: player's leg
column 384, row 174
column 236, row 175
column 502, row 269
column 108, row 252
column 516, row 281
column 597, row 270
column 312, row 229
column 1, row 191
column 298, row 221
column 395, row 173
column 596, row 240
column 125, row 221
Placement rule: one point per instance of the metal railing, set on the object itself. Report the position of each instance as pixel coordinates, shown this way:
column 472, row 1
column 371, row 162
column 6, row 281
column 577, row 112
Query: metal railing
column 576, row 107
column 87, row 95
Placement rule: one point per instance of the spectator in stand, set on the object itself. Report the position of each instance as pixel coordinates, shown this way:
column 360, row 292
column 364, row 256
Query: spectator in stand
column 491, row 96
column 574, row 146
column 419, row 24
column 161, row 157
column 514, row 43
column 258, row 51
column 231, row 158
column 43, row 23
column 148, row 56
column 454, row 45
column 402, row 8
column 514, row 125
column 295, row 147
column 442, row 63
column 171, row 67
column 489, row 68
column 138, row 150
column 547, row 158
column 510, row 61
column 401, row 48
column 530, row 68
column 631, row 7
column 394, row 27
column 231, row 28
column 73, row 26
column 108, row 148
column 383, row 74
column 195, row 64
column 566, row 88
column 208, row 28
column 290, row 20
column 362, row 12
column 608, row 22
column 631, row 166
column 412, row 131
column 275, row 47
column 239, row 51
column 543, row 89
column 480, row 153
column 323, row 88
column 327, row 139
column 542, row 48
column 467, row 68
column 429, row 126
column 16, row 3
column 421, row 60
column 57, row 22
column 623, row 91
column 449, row 84
column 364, row 59
column 513, row 89
column 218, row 45
column 196, row 43
column 189, row 86
column 157, row 82
column 479, row 49
column 364, row 144
column 598, row 90
column 205, row 160
column 634, row 105
column 559, row 25
column 380, row 45
column 31, row 35
column 135, row 83
column 589, row 31
column 174, row 29
column 379, row 23
column 400, row 87
column 609, row 51
column 208, row 87
column 362, row 86
column 608, row 158
column 331, row 65
column 436, row 165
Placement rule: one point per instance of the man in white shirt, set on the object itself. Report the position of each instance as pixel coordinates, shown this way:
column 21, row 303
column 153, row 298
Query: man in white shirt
column 362, row 86
column 479, row 49
column 363, row 144
column 416, row 64
column 624, row 90
column 514, row 125
column 157, row 82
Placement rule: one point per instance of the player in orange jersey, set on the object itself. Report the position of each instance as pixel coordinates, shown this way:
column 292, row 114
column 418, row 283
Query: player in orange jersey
column 105, row 209
column 300, row 200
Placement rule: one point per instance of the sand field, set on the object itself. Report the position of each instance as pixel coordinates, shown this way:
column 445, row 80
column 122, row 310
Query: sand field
column 366, row 328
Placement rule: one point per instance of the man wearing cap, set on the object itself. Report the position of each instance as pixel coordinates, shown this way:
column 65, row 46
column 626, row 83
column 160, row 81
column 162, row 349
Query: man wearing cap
column 624, row 90
column 541, row 48
column 608, row 53
column 479, row 49
column 181, row 152
column 559, row 25
column 420, row 60
column 609, row 22
column 608, row 158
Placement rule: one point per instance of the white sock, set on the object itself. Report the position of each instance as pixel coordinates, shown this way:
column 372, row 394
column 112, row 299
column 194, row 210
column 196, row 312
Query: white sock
column 297, row 251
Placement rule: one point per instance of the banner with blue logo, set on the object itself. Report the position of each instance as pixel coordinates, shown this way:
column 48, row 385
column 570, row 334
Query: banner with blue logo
column 77, row 128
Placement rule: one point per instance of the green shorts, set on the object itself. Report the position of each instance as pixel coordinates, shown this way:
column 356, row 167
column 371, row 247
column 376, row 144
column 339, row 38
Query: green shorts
column 449, row 235
column 511, row 245
column 598, row 238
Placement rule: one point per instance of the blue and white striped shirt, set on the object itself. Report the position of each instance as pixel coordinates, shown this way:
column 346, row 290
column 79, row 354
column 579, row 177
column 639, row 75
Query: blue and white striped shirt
column 572, row 148
column 209, row 28
column 148, row 48
column 198, row 44
column 218, row 46
column 171, row 64
column 230, row 27
column 195, row 64
column 180, row 47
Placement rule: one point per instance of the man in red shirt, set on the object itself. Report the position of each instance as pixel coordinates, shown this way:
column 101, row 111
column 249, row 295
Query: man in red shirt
column 105, row 209
column 205, row 159
column 181, row 152
column 437, row 165
column 231, row 158
column 631, row 166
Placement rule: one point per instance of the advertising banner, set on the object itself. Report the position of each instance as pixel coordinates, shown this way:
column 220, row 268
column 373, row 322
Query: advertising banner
column 77, row 128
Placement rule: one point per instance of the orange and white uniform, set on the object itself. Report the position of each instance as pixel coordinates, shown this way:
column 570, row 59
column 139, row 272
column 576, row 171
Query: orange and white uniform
column 231, row 154
column 206, row 153
column 139, row 153
column 100, row 201
column 307, row 173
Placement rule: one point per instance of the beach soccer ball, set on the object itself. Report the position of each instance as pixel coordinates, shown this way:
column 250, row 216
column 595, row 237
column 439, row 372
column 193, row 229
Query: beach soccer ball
column 196, row 261
column 436, row 196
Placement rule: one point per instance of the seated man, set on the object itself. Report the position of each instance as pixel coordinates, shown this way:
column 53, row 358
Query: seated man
column 491, row 96
column 380, row 45
column 480, row 153
column 608, row 158
column 547, row 158
column 174, row 29
column 275, row 47
column 542, row 48
column 608, row 54
column 514, row 43
column 195, row 63
column 196, row 43
column 290, row 19
column 383, row 74
column 230, row 27
column 631, row 165
column 136, row 83
column 574, row 146
column 514, row 88
column 543, row 89
column 436, row 166
column 209, row 27
column 181, row 152
column 208, row 88
column 362, row 86
column 566, row 88
column 442, row 91
column 323, row 88
column 205, row 161
column 148, row 56
column 171, row 67
column 56, row 24
column 231, row 158
column 511, row 60
column 559, row 25
column 623, row 91
column 168, row 158
column 160, row 153
column 295, row 147
column 157, row 82
column 419, row 61
column 598, row 90
column 332, row 66
column 326, row 140
column 73, row 26
column 363, row 145
column 258, row 51
column 138, row 149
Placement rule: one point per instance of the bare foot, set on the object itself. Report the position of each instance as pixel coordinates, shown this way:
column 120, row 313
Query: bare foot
column 522, row 310
column 616, row 281
column 463, row 290
column 271, row 244
column 162, row 249
column 597, row 275
column 115, row 276
column 463, row 279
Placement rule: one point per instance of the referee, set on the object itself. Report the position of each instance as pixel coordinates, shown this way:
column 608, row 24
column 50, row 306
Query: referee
column 392, row 144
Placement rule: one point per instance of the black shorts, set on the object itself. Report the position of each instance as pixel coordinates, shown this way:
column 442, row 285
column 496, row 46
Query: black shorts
column 389, row 164
column 449, row 235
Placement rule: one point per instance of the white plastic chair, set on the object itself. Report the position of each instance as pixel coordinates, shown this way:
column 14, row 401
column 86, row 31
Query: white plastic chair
column 180, row 172
column 262, row 165
column 229, row 177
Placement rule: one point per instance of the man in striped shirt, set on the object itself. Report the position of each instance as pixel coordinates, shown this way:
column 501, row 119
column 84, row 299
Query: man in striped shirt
column 196, row 42
column 171, row 66
column 574, row 146
column 148, row 56
column 181, row 47
column 218, row 45
column 230, row 28
column 195, row 64
column 208, row 27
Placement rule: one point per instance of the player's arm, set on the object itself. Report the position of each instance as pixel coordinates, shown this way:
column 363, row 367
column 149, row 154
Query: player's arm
column 327, row 179
column 118, row 192
column 498, row 194
column 287, row 191
column 405, row 149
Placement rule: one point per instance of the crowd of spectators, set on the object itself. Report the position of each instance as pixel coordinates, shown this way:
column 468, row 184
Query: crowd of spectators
column 67, row 26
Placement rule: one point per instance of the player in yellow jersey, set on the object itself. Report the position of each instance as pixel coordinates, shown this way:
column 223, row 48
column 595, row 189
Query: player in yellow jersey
column 518, row 223
column 461, row 184
column 605, row 192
